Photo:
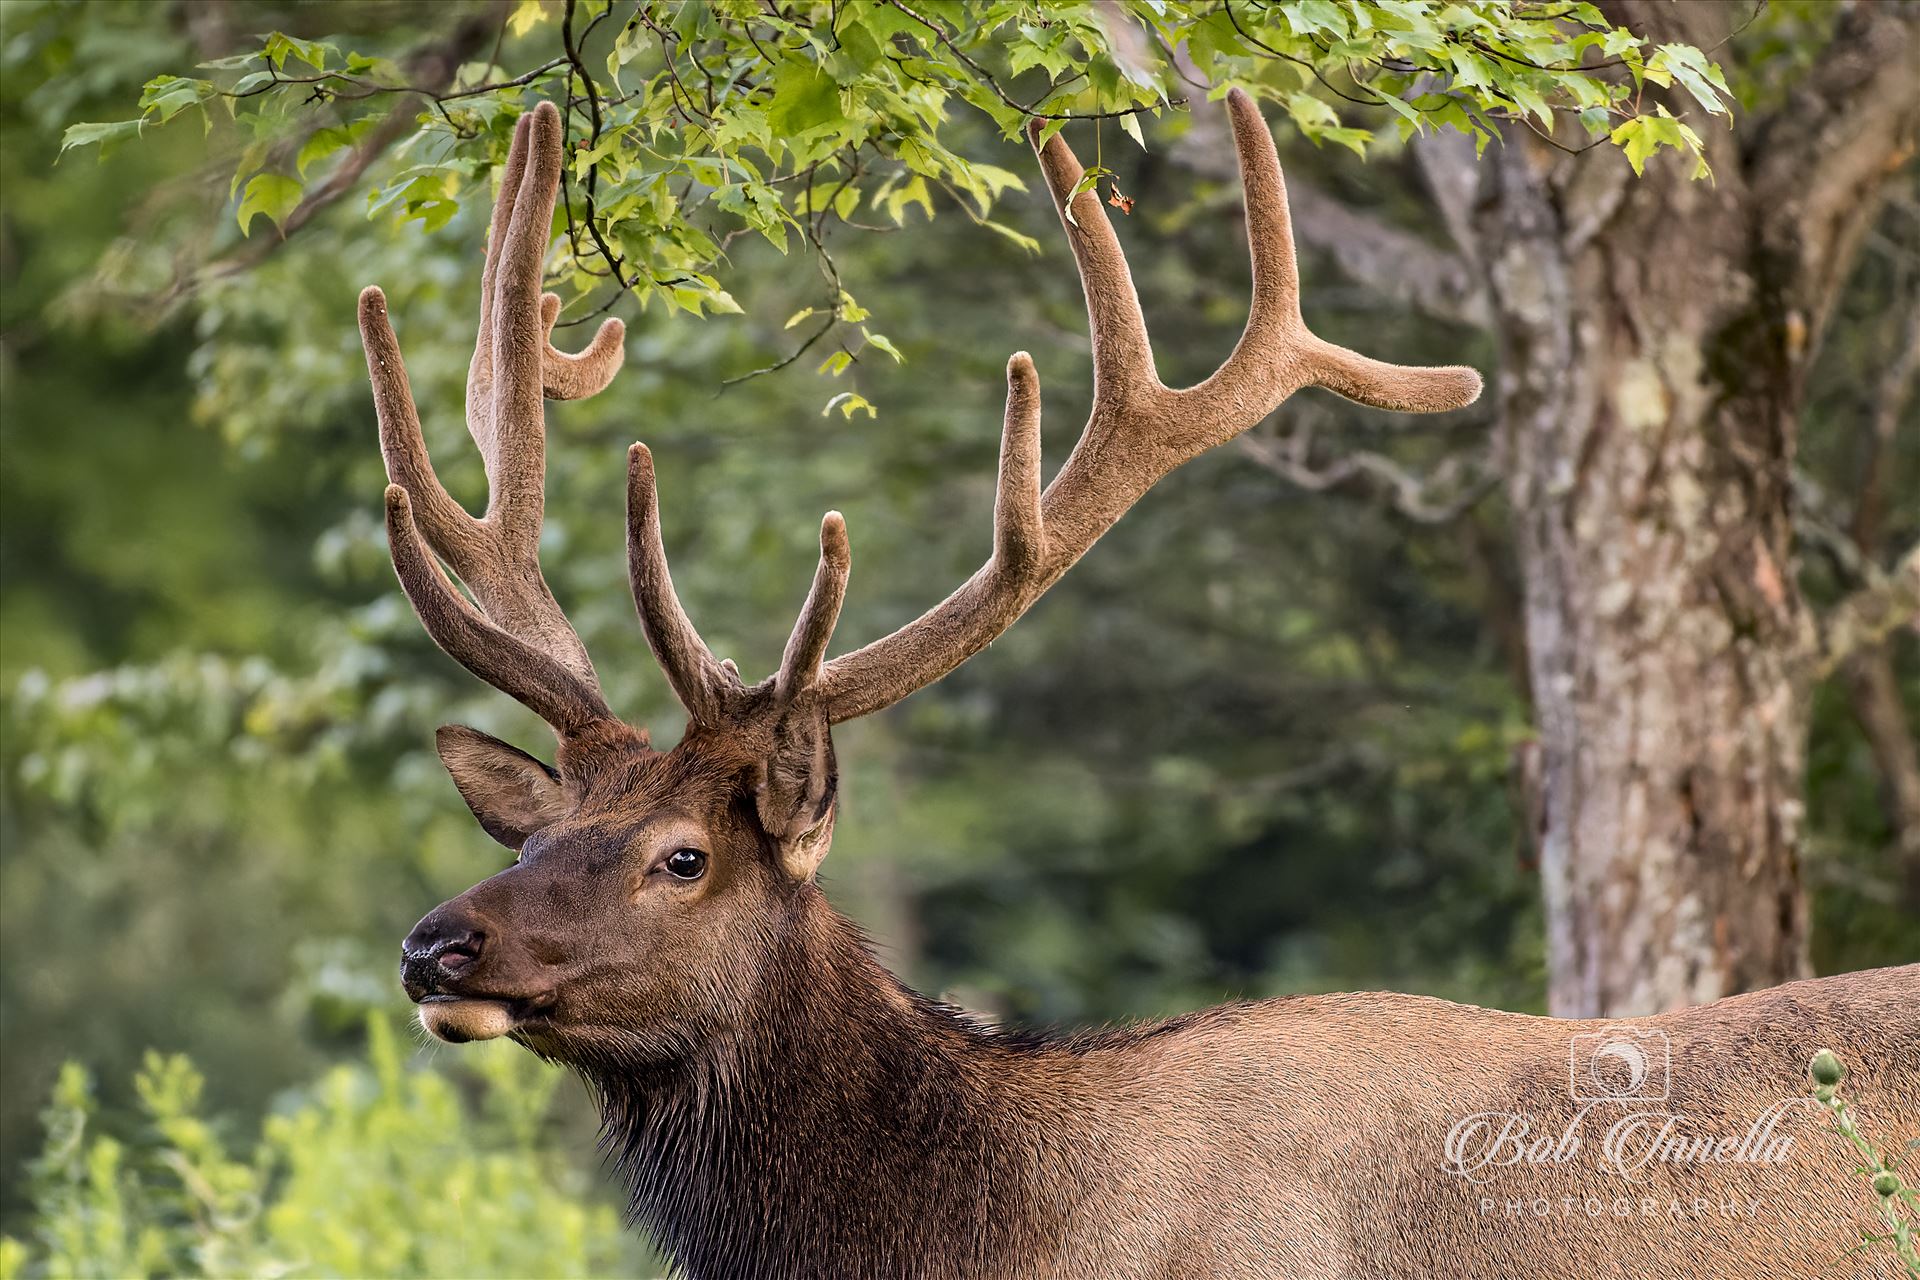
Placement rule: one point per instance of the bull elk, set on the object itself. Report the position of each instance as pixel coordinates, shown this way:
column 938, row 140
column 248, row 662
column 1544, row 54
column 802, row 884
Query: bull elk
column 780, row 1105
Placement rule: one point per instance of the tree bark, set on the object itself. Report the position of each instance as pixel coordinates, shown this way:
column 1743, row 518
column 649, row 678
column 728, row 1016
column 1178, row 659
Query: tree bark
column 1656, row 334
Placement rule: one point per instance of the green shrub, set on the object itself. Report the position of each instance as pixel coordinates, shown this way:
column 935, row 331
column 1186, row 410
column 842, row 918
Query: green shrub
column 378, row 1169
column 1899, row 1204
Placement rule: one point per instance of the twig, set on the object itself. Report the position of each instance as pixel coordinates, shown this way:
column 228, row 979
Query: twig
column 986, row 78
column 833, row 318
column 1413, row 496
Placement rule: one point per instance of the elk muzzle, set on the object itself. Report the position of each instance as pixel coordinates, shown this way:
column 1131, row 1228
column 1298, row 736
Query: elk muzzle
column 445, row 967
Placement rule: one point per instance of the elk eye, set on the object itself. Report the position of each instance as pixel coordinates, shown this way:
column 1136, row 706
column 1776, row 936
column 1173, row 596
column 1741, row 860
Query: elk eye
column 687, row 864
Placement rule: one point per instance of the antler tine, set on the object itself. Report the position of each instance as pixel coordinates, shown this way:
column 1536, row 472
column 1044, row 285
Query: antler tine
column 563, row 376
column 518, row 639
column 1122, row 354
column 1277, row 354
column 701, row 683
column 1019, row 534
column 480, row 422
column 516, row 465
column 575, row 377
column 1027, row 559
column 1139, row 429
column 447, row 526
column 549, row 689
column 800, row 664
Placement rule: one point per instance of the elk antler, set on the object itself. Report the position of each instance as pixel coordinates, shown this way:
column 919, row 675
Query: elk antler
column 1139, row 430
column 708, row 688
column 517, row 640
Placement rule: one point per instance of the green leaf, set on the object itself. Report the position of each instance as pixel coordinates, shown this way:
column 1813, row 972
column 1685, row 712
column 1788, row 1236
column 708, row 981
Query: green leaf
column 798, row 316
column 273, row 194
column 849, row 403
column 1088, row 181
column 280, row 46
column 251, row 81
column 250, row 161
column 105, row 136
column 1470, row 69
column 885, row 344
column 835, row 364
column 320, row 144
column 1355, row 140
column 231, row 63
column 1641, row 136
column 804, row 98
column 1026, row 242
column 1700, row 78
column 526, row 15
column 1310, row 17
column 167, row 96
column 846, row 202
column 1528, row 99
column 849, row 310
column 1400, row 107
column 1310, row 113
column 912, row 191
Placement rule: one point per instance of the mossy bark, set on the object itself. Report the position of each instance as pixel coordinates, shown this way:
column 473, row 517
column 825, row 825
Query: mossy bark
column 1656, row 335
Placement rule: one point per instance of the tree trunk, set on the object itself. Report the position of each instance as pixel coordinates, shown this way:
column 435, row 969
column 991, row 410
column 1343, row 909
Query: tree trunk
column 1656, row 334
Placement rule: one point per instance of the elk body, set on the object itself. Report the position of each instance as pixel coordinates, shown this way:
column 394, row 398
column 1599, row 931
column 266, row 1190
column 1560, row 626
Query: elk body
column 782, row 1106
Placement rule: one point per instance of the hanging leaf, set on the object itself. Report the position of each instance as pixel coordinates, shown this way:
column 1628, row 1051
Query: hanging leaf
column 105, row 136
column 272, row 194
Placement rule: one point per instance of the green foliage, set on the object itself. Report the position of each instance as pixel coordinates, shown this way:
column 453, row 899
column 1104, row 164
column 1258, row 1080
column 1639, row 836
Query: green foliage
column 379, row 1169
column 1257, row 742
column 1897, row 1203
column 691, row 125
column 271, row 194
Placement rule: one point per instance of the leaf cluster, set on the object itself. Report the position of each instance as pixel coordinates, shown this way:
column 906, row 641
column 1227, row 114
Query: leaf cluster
column 377, row 1168
column 691, row 125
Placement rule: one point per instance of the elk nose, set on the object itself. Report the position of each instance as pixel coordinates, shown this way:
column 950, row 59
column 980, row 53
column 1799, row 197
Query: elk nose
column 439, row 951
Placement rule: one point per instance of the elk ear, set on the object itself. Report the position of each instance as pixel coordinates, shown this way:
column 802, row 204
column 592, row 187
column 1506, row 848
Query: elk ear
column 513, row 794
column 798, row 783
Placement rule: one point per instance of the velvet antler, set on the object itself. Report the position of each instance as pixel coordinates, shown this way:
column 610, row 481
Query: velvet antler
column 710, row 689
column 518, row 639
column 1139, row 430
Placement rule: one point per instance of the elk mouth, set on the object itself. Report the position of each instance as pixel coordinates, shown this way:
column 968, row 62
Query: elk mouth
column 464, row 1019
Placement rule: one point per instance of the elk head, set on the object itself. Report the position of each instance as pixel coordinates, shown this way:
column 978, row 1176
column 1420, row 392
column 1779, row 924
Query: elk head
column 652, row 888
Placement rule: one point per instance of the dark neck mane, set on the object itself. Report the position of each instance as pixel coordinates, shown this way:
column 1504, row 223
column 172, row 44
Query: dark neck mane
column 850, row 1128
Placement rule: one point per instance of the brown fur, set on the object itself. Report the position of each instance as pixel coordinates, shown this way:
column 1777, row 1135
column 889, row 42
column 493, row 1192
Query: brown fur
column 782, row 1107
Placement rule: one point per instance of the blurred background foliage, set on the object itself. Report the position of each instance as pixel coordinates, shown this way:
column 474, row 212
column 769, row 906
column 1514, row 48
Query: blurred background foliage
column 373, row 1170
column 1260, row 741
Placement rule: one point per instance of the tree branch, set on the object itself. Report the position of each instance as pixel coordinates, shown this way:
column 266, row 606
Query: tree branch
column 1441, row 496
column 435, row 67
column 1817, row 165
column 1397, row 264
column 1873, row 693
column 1872, row 613
column 1890, row 401
column 1873, row 689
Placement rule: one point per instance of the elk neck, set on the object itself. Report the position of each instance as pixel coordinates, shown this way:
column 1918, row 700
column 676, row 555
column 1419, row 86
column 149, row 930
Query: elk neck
column 849, row 1126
